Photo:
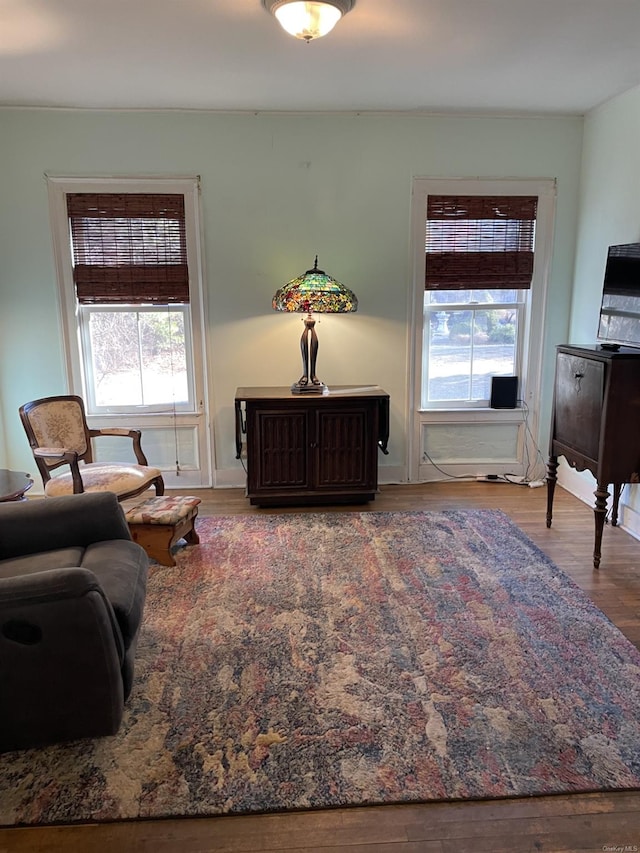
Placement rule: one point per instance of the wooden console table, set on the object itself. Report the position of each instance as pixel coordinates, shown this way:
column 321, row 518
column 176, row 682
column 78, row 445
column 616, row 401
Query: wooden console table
column 596, row 424
column 312, row 448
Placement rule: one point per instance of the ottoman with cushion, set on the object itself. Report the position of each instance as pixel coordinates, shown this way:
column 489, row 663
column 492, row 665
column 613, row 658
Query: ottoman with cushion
column 158, row 523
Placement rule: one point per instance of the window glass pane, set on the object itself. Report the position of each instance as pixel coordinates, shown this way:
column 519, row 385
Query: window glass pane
column 464, row 297
column 450, row 356
column 466, row 348
column 164, row 361
column 138, row 358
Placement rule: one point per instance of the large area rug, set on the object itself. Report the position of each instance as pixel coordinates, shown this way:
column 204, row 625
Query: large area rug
column 300, row 661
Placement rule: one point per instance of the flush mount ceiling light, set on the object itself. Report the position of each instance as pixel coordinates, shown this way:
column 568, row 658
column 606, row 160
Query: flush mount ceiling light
column 308, row 20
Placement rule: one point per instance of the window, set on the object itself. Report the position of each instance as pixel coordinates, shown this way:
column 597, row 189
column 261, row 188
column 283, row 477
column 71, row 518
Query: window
column 131, row 277
column 130, row 282
column 482, row 250
column 478, row 268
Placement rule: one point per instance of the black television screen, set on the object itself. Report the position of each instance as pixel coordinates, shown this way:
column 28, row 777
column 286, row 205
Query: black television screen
column 620, row 309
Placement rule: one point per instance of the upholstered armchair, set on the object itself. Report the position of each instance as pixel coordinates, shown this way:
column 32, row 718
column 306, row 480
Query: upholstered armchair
column 72, row 593
column 59, row 435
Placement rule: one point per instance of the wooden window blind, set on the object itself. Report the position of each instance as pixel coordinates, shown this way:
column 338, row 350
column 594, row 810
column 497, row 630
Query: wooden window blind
column 480, row 242
column 128, row 248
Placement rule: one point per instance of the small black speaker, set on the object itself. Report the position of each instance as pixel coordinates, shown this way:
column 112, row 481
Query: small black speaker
column 504, row 392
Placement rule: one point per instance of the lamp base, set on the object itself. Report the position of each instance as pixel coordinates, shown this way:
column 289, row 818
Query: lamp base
column 309, row 388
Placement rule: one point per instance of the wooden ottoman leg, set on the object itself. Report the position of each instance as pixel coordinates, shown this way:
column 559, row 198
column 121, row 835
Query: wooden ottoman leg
column 191, row 537
column 156, row 539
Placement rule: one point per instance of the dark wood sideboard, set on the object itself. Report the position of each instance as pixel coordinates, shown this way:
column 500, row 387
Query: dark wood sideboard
column 305, row 449
column 596, row 424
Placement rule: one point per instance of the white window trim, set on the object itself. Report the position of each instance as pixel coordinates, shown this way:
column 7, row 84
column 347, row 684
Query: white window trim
column 533, row 337
column 189, row 186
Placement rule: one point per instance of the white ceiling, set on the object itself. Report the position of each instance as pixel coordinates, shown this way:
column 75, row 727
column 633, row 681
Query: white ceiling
column 518, row 56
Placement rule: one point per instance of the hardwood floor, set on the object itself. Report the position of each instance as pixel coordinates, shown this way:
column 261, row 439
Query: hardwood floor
column 592, row 822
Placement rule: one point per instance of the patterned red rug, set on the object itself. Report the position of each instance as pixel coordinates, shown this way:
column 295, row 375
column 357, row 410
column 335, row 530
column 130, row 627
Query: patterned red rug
column 330, row 659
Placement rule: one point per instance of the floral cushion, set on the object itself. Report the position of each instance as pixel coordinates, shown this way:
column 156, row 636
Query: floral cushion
column 59, row 424
column 163, row 510
column 100, row 477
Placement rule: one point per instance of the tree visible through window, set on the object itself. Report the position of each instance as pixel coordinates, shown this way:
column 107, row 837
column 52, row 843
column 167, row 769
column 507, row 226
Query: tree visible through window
column 137, row 357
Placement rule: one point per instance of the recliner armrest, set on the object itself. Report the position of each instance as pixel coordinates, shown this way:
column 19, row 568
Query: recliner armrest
column 27, row 527
column 61, row 657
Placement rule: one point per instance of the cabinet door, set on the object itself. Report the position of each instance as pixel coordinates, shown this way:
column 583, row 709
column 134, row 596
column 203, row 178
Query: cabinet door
column 578, row 406
column 345, row 448
column 277, row 443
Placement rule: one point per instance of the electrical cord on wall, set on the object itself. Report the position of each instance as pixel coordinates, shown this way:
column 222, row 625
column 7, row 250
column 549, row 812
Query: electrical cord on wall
column 467, row 477
column 539, row 458
column 518, row 479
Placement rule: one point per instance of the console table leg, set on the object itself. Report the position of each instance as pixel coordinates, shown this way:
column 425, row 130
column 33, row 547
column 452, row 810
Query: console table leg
column 552, row 476
column 600, row 513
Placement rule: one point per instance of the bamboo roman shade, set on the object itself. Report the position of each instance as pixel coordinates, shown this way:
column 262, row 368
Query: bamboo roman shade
column 129, row 248
column 480, row 242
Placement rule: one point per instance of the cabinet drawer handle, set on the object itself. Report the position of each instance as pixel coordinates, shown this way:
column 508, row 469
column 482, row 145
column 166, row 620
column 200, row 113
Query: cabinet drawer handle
column 579, row 376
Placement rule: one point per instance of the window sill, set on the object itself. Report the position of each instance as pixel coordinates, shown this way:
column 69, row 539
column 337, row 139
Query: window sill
column 471, row 415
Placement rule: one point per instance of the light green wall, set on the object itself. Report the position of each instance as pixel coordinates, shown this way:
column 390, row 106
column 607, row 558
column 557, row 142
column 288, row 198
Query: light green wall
column 276, row 189
column 609, row 213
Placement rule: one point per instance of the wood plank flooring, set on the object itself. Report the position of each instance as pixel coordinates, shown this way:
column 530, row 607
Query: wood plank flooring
column 576, row 823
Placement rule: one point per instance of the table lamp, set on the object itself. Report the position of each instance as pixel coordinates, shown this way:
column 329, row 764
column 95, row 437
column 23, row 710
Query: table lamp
column 313, row 292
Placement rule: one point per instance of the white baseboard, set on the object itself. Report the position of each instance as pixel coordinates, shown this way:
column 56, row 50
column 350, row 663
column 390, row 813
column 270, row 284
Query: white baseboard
column 579, row 483
column 390, row 475
column 630, row 520
column 229, row 478
column 582, row 485
column 234, row 478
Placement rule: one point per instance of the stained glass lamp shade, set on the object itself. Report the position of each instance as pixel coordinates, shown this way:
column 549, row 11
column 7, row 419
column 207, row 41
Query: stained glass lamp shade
column 313, row 292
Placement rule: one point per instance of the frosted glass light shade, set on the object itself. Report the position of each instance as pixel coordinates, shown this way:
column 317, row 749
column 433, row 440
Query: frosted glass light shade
column 308, row 20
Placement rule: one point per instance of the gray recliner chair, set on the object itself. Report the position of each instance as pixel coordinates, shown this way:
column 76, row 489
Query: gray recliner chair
column 72, row 592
